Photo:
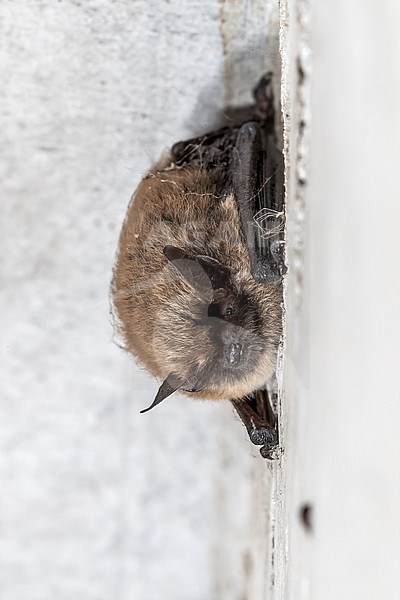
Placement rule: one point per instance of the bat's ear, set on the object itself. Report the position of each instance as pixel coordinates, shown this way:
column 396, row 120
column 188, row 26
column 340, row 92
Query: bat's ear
column 168, row 387
column 203, row 273
column 190, row 269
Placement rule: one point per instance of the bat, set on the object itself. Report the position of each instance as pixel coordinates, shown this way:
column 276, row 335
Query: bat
column 197, row 283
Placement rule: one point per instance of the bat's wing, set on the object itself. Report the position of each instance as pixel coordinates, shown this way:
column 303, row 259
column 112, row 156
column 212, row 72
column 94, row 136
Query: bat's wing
column 258, row 184
column 212, row 152
column 245, row 157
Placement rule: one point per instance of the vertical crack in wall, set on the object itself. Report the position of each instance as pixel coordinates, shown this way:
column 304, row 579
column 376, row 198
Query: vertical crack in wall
column 303, row 121
column 295, row 100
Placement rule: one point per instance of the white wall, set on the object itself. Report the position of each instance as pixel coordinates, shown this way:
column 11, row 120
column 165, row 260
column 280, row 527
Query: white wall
column 342, row 374
column 98, row 502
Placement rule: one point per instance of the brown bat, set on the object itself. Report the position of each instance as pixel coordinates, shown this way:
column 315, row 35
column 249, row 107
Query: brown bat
column 197, row 286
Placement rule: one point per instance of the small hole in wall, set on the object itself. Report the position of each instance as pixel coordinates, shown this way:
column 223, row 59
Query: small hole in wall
column 247, row 564
column 300, row 72
column 306, row 516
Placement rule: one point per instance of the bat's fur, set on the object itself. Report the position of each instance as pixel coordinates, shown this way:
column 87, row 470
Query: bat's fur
column 162, row 318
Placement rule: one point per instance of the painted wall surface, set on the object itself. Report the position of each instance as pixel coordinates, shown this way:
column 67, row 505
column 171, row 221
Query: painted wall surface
column 98, row 502
column 342, row 368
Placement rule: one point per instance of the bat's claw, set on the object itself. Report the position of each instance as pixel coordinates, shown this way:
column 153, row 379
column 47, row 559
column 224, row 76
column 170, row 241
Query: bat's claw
column 271, row 453
column 267, row 437
column 264, row 435
column 260, row 431
column 277, row 251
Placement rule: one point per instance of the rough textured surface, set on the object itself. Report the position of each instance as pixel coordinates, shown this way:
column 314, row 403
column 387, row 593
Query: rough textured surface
column 97, row 501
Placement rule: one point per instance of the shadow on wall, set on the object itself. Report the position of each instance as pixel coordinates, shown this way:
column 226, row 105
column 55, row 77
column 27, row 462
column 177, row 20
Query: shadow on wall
column 242, row 70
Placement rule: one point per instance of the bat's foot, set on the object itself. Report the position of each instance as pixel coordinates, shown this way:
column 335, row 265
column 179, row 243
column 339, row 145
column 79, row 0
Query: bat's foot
column 261, row 432
column 267, row 437
column 264, row 97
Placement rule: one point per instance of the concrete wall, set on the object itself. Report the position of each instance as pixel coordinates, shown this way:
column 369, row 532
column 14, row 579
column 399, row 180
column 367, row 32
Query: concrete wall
column 92, row 506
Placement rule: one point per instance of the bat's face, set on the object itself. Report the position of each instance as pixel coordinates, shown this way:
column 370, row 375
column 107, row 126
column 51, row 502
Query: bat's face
column 214, row 334
column 215, row 344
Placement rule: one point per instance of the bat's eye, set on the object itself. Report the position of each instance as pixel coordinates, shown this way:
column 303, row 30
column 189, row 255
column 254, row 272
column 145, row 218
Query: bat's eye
column 216, row 310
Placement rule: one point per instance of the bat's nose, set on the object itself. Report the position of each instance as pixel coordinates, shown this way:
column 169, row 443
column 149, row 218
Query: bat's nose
column 233, row 353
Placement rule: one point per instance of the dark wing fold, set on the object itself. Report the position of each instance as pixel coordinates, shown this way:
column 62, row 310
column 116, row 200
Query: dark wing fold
column 258, row 184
